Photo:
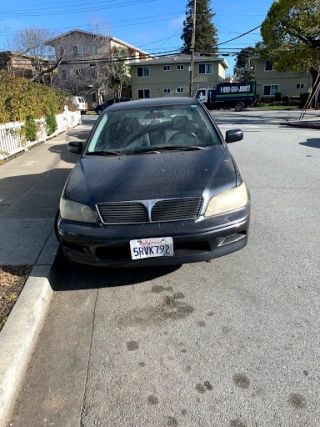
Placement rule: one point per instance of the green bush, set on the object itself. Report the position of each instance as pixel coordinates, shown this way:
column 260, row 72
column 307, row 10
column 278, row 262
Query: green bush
column 52, row 125
column 277, row 96
column 30, row 129
column 303, row 99
column 20, row 98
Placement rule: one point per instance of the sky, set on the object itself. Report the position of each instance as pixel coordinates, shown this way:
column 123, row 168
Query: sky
column 152, row 25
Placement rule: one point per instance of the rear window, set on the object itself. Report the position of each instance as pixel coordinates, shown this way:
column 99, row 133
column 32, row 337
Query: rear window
column 136, row 128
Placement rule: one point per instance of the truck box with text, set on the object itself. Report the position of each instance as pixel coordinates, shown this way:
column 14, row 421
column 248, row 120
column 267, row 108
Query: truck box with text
column 228, row 95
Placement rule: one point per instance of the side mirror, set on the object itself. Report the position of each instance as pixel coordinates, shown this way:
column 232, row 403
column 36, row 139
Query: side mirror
column 75, row 147
column 234, row 135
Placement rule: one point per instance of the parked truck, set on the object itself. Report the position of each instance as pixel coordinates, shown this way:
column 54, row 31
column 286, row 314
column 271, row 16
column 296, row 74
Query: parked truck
column 228, row 95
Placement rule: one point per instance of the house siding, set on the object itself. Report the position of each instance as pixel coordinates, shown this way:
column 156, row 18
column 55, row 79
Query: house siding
column 78, row 45
column 174, row 79
column 287, row 81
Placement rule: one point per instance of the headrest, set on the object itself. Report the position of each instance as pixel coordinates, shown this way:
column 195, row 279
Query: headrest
column 179, row 122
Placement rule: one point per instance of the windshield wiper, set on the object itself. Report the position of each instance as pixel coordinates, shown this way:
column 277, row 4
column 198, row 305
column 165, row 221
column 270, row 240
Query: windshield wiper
column 147, row 151
column 158, row 150
column 104, row 153
column 184, row 147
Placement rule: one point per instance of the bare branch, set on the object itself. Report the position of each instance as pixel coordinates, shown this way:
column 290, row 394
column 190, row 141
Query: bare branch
column 46, row 71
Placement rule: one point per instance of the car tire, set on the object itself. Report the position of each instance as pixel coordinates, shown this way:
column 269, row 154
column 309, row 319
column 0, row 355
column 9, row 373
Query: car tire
column 239, row 106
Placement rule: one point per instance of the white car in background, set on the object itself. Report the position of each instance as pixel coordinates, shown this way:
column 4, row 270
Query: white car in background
column 79, row 103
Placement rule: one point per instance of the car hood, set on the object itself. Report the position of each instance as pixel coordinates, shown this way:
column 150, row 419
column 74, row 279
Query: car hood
column 97, row 179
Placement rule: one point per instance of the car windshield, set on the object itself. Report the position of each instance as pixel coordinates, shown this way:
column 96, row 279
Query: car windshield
column 135, row 130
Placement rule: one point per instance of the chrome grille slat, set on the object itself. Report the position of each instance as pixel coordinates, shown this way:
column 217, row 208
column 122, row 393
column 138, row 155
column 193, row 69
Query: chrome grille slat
column 122, row 213
column 176, row 209
column 162, row 211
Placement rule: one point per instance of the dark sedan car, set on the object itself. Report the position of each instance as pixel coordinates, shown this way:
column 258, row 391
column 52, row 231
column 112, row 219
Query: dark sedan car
column 152, row 192
column 99, row 108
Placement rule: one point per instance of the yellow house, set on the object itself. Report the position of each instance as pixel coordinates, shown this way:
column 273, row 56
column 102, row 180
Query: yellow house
column 269, row 81
column 169, row 76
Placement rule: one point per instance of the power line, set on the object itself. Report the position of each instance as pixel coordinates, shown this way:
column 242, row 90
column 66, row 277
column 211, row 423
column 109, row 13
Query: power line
column 241, row 35
column 77, row 10
column 133, row 21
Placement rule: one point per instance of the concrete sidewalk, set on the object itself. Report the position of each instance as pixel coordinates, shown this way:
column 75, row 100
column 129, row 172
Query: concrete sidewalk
column 30, row 189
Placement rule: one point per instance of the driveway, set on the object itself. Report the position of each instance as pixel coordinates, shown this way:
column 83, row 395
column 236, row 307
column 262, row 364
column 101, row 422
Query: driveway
column 231, row 343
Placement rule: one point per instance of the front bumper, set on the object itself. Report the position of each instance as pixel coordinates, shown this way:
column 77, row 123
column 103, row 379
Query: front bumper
column 194, row 241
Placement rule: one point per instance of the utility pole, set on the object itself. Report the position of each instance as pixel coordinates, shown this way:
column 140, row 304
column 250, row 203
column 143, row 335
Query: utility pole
column 192, row 48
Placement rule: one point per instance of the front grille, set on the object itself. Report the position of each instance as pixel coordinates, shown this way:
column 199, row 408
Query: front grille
column 122, row 213
column 162, row 211
column 176, row 209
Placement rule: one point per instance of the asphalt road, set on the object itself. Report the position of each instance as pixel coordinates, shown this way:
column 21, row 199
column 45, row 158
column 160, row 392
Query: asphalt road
column 231, row 343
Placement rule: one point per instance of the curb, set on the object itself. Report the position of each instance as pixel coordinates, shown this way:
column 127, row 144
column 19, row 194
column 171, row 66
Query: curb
column 301, row 125
column 19, row 333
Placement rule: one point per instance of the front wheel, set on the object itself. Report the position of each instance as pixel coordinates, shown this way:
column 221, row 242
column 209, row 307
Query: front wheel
column 239, row 106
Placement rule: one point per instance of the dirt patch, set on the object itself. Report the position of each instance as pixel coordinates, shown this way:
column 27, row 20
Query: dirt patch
column 12, row 280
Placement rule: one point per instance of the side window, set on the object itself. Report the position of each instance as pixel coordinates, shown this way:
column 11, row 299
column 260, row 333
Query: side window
column 143, row 93
column 143, row 71
column 268, row 66
column 270, row 90
column 205, row 68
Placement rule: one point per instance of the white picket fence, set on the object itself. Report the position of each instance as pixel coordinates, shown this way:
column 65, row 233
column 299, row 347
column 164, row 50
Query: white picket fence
column 11, row 141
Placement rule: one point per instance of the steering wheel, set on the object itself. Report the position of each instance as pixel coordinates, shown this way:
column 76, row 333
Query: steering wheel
column 180, row 135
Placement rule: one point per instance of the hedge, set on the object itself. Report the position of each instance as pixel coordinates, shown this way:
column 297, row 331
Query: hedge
column 21, row 99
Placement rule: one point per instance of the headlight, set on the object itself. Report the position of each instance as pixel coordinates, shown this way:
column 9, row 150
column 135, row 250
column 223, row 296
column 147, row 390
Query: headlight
column 75, row 211
column 228, row 201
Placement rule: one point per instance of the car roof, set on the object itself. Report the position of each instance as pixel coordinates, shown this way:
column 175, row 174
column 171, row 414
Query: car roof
column 154, row 102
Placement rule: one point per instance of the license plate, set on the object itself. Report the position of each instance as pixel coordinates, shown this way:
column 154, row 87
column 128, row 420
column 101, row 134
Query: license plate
column 149, row 248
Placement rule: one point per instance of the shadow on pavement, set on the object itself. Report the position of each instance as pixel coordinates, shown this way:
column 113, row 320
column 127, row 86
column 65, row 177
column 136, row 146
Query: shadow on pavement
column 65, row 155
column 76, row 276
column 311, row 142
column 34, row 195
column 90, row 121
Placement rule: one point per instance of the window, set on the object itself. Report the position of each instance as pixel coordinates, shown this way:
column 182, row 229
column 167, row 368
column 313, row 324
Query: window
column 300, row 85
column 94, row 49
column 61, row 49
column 167, row 90
column 166, row 68
column 79, row 73
column 143, row 93
column 64, row 74
column 270, row 90
column 179, row 89
column 94, row 97
column 75, row 51
column 143, row 71
column 268, row 66
column 180, row 67
column 205, row 68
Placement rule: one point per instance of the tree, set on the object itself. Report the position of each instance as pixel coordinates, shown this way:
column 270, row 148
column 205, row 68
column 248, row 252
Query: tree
column 206, row 34
column 291, row 36
column 31, row 41
column 242, row 70
column 98, row 67
column 119, row 71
